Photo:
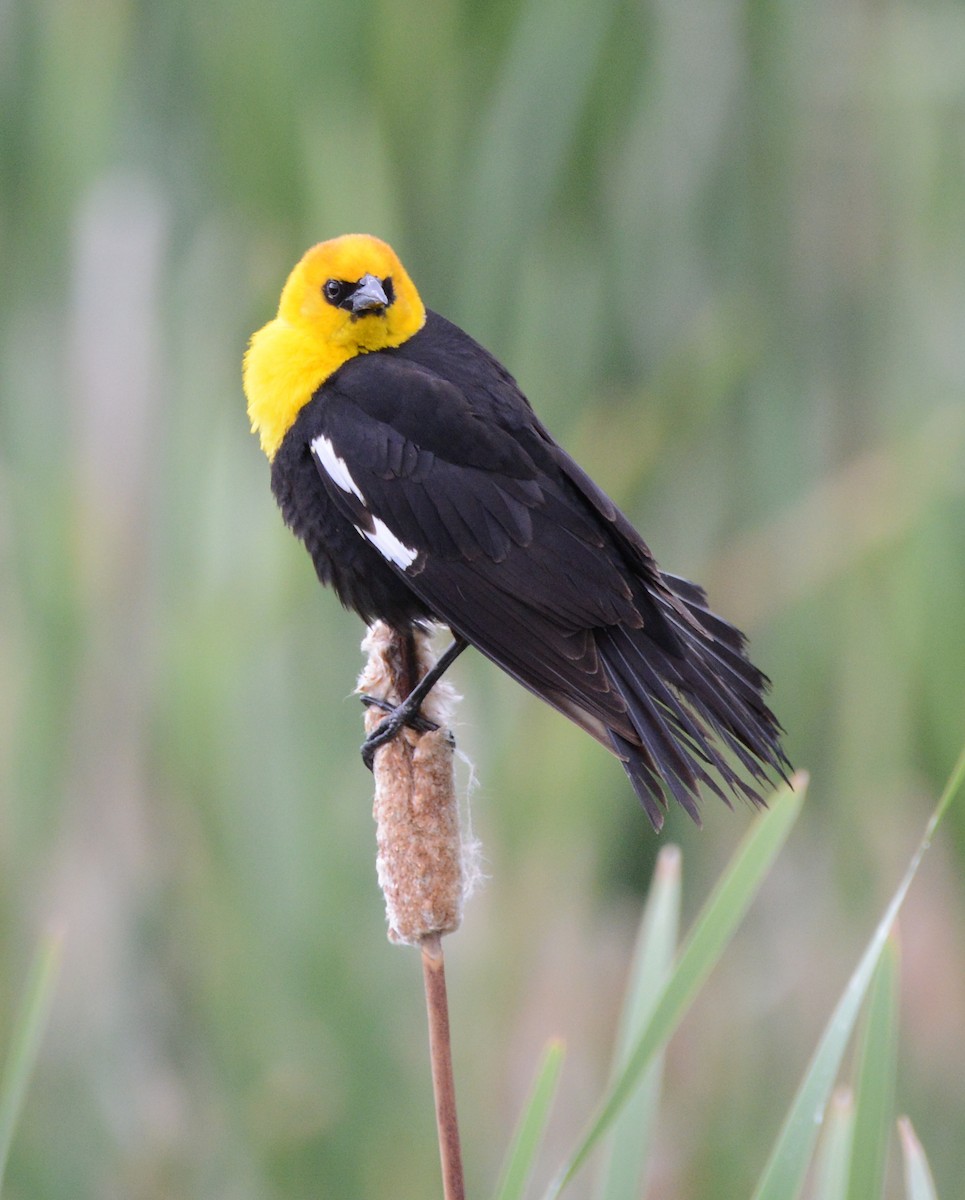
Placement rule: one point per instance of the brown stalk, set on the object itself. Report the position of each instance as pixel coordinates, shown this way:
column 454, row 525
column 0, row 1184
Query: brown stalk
column 443, row 1082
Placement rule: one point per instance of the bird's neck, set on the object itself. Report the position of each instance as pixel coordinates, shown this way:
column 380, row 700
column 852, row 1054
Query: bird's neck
column 283, row 369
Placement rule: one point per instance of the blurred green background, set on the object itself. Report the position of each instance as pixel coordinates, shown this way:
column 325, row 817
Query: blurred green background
column 720, row 243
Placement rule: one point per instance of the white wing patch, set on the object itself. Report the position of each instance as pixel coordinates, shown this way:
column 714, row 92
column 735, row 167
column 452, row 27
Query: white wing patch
column 388, row 545
column 380, row 536
column 335, row 468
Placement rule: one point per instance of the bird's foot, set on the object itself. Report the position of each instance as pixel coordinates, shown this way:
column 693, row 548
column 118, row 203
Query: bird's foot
column 398, row 716
column 407, row 713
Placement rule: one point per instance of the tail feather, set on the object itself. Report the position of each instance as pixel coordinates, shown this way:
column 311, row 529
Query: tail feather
column 696, row 703
column 667, row 731
column 646, row 779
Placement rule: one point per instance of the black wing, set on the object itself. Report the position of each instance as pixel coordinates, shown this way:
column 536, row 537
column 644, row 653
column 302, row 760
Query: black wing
column 505, row 539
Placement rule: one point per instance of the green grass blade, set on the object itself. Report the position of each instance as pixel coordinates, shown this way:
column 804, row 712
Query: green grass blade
column 532, row 1124
column 950, row 791
column 877, row 1061
column 786, row 1167
column 25, row 1040
column 708, row 939
column 919, row 1184
column 633, row 1129
column 833, row 1162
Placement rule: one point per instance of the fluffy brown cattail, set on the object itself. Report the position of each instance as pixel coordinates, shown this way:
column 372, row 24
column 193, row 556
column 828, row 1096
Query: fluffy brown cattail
column 420, row 856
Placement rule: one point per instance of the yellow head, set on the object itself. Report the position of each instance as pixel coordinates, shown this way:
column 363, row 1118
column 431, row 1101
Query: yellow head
column 347, row 296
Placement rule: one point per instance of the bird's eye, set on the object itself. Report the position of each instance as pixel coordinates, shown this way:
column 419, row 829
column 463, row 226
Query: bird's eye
column 332, row 291
column 388, row 288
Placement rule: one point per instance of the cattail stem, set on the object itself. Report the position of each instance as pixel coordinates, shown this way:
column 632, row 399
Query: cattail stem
column 443, row 1083
column 420, row 851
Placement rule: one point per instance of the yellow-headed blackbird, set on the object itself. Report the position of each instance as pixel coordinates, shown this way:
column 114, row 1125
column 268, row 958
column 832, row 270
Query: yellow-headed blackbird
column 407, row 460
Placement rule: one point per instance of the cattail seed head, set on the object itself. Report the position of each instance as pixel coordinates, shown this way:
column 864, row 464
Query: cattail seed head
column 420, row 854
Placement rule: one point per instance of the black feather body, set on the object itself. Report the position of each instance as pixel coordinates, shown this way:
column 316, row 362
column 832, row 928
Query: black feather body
column 424, row 487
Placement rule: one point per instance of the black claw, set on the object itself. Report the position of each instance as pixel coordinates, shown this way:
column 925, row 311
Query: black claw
column 368, row 750
column 397, row 717
column 384, row 732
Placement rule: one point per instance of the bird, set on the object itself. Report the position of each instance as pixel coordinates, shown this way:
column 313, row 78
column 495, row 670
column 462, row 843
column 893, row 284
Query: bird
column 426, row 491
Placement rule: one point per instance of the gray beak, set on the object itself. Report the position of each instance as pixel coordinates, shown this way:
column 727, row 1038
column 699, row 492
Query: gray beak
column 369, row 296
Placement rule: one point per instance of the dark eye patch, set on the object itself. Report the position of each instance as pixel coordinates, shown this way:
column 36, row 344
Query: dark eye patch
column 337, row 291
